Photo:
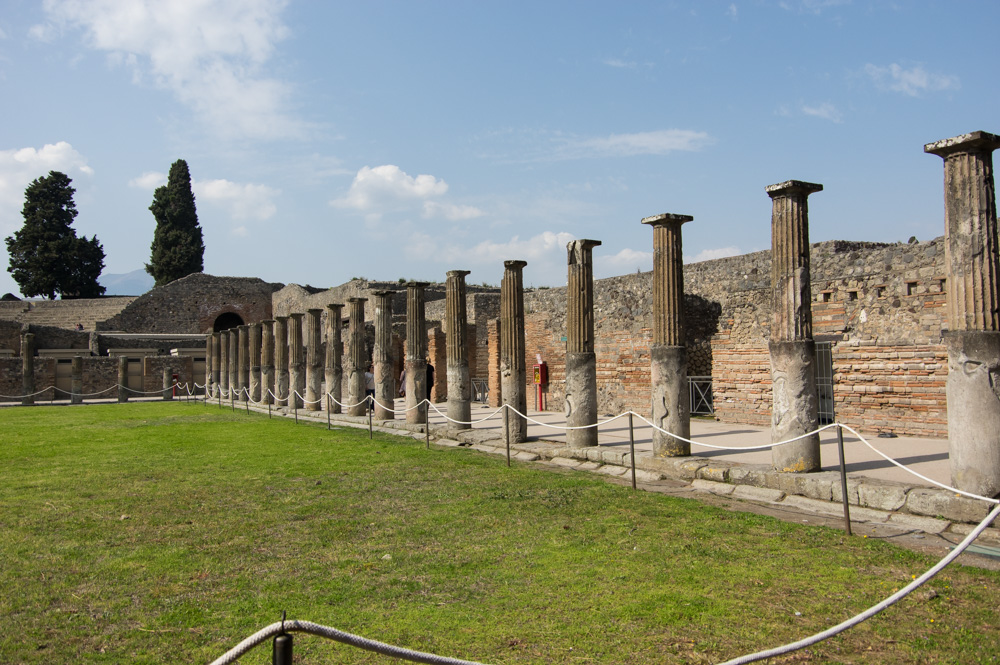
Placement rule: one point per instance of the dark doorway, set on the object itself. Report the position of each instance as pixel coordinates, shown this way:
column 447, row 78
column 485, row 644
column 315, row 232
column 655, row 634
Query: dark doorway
column 227, row 321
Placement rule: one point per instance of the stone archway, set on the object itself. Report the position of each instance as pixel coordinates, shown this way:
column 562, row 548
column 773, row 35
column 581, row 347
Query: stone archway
column 227, row 320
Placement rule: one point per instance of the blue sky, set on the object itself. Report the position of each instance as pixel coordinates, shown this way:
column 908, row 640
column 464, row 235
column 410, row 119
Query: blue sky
column 329, row 140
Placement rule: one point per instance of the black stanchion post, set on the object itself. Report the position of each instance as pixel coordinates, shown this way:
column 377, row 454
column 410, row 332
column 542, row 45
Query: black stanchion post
column 295, row 407
column 843, row 480
column 248, row 402
column 631, row 446
column 269, row 409
column 328, row 405
column 371, row 435
column 232, row 399
column 281, row 653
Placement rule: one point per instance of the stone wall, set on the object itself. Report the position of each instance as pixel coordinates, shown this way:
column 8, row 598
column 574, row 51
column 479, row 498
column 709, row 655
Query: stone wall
column 192, row 305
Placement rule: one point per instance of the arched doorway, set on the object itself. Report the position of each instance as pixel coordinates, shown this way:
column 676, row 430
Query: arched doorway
column 226, row 321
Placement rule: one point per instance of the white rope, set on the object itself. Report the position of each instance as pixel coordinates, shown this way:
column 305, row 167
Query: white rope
column 329, row 633
column 465, row 422
column 875, row 609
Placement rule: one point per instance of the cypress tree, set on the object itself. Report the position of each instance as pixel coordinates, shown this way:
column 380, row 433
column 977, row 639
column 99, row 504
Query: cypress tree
column 178, row 248
column 46, row 257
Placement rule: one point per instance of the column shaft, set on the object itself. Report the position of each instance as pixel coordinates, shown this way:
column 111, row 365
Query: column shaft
column 296, row 362
column 581, row 362
column 314, row 364
column 281, row 360
column 76, row 385
column 224, row 364
column 27, row 369
column 356, row 358
column 973, row 269
column 512, row 362
column 208, row 365
column 415, row 363
column 385, row 380
column 334, row 353
column 243, row 339
column 253, row 336
column 794, row 408
column 234, row 369
column 122, row 379
column 216, row 364
column 267, row 361
column 457, row 345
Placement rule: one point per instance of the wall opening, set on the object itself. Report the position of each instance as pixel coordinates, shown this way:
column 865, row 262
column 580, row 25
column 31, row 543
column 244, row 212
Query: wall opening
column 226, row 321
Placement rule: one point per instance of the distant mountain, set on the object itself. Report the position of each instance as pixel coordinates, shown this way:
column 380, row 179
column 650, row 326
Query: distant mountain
column 133, row 283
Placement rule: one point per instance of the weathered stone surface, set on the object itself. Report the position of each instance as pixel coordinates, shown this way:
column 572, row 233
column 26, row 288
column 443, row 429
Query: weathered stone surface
column 974, row 411
column 753, row 474
column 457, row 347
column 925, row 524
column 715, row 472
column 581, row 399
column 296, row 362
column 333, row 368
column 882, row 495
column 944, row 504
column 671, row 400
column 752, row 493
column 314, row 360
column 794, row 410
column 416, row 354
column 382, row 360
column 28, row 371
column 77, row 380
column 817, row 485
column 720, row 488
column 281, row 360
column 356, row 358
column 512, row 349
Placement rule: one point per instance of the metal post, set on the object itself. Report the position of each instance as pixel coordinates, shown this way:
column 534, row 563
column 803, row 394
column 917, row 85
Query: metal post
column 843, row 480
column 295, row 406
column 269, row 409
column 232, row 399
column 370, row 434
column 631, row 446
column 427, row 433
column 329, row 404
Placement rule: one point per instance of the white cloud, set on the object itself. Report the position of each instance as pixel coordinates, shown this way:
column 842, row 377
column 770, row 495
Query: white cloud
column 149, row 180
column 241, row 201
column 625, row 261
column 451, row 212
column 710, row 254
column 826, row 111
column 619, row 63
column 733, row 11
column 386, row 186
column 209, row 53
column 546, row 245
column 913, row 81
column 659, row 142
column 20, row 166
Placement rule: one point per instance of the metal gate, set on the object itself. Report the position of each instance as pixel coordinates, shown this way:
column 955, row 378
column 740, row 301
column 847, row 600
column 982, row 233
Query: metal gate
column 824, row 382
column 700, row 389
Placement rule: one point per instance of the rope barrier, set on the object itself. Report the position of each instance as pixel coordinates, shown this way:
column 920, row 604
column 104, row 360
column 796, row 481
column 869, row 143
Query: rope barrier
column 338, row 636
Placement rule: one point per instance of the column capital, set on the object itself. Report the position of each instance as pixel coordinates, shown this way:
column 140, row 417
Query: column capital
column 314, row 310
column 281, row 319
column 667, row 218
column 457, row 273
column 514, row 265
column 266, row 322
column 383, row 294
column 577, row 250
column 355, row 300
column 296, row 315
column 335, row 306
column 971, row 142
column 792, row 188
column 415, row 285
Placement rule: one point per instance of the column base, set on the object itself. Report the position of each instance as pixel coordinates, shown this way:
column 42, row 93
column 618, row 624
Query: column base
column 671, row 400
column 973, row 390
column 581, row 399
column 794, row 408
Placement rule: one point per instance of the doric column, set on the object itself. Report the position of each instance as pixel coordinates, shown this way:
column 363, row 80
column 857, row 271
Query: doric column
column 668, row 353
column 254, row 334
column 27, row 369
column 243, row 360
column 267, row 361
column 76, row 380
column 457, row 344
column 581, row 362
column 385, row 381
column 216, row 364
column 512, row 367
column 973, row 296
column 281, row 360
column 296, row 361
column 314, row 364
column 234, row 366
column 356, row 360
column 122, row 379
column 168, row 384
column 334, row 372
column 415, row 363
column 224, row 364
column 793, row 353
column 208, row 365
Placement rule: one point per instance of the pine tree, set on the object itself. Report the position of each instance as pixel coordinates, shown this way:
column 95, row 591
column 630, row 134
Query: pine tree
column 178, row 249
column 46, row 257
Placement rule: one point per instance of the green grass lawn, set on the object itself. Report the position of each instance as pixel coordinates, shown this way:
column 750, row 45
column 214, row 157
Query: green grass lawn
column 167, row 532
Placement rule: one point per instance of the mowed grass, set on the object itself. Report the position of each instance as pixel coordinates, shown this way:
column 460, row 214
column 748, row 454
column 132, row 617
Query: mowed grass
column 155, row 533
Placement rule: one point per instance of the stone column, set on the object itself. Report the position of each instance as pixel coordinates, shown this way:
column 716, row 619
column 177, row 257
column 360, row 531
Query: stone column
column 76, row 381
column 793, row 353
column 972, row 284
column 168, row 384
column 208, row 365
column 668, row 353
column 415, row 363
column 581, row 362
column 356, row 360
column 281, row 360
column 253, row 335
column 122, row 379
column 216, row 364
column 314, row 366
column 224, row 364
column 27, row 369
column 243, row 360
column 234, row 362
column 267, row 361
column 385, row 379
column 334, row 372
column 457, row 345
column 296, row 362
column 512, row 368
